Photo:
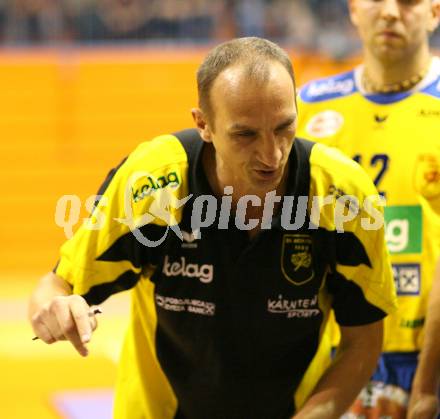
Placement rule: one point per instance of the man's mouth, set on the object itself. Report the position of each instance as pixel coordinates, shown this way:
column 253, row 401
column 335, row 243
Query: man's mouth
column 389, row 34
column 267, row 173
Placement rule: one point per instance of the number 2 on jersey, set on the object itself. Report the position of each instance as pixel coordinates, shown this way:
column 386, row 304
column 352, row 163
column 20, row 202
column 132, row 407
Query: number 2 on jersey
column 380, row 161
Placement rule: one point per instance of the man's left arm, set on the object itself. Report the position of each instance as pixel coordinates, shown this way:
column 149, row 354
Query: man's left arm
column 349, row 371
column 359, row 283
column 424, row 403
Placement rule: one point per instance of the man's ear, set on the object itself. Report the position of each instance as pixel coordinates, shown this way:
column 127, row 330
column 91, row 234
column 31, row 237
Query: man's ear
column 435, row 16
column 353, row 12
column 202, row 124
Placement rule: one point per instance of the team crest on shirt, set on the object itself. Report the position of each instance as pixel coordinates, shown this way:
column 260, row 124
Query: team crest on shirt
column 427, row 176
column 296, row 258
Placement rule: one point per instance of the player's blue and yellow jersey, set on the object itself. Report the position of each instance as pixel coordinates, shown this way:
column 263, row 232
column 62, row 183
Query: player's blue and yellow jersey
column 396, row 139
column 223, row 326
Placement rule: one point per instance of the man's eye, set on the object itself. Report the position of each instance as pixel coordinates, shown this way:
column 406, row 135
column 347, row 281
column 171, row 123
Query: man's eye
column 245, row 134
column 284, row 128
column 403, row 2
column 409, row 2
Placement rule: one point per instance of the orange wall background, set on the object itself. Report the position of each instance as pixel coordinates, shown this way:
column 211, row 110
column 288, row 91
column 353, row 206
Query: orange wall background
column 68, row 116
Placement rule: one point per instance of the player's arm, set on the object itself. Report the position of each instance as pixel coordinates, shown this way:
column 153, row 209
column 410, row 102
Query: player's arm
column 55, row 311
column 56, row 314
column 424, row 402
column 349, row 371
column 360, row 283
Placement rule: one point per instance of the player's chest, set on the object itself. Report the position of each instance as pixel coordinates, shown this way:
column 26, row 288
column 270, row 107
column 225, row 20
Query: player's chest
column 399, row 147
column 273, row 278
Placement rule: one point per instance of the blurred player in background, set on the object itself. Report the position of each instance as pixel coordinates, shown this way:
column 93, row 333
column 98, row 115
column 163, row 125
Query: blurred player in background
column 226, row 319
column 385, row 114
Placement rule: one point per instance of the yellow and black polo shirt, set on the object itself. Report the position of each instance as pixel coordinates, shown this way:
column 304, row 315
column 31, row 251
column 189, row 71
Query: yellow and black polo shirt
column 223, row 326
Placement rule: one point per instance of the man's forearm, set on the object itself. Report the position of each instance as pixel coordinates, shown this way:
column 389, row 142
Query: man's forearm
column 423, row 402
column 352, row 367
column 427, row 377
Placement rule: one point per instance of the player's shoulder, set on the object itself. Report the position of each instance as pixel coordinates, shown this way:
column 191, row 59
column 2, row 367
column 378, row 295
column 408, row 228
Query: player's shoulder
column 162, row 152
column 158, row 163
column 332, row 170
column 329, row 88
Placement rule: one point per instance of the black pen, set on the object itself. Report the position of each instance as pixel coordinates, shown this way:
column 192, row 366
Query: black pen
column 91, row 313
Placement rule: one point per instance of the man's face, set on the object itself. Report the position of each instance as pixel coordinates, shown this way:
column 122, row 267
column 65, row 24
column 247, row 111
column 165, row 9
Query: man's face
column 255, row 124
column 393, row 29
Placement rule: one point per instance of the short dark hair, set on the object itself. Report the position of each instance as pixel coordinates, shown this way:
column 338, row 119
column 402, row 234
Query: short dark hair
column 254, row 53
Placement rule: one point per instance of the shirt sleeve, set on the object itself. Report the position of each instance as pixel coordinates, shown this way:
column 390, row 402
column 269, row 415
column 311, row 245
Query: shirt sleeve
column 360, row 280
column 102, row 257
column 116, row 246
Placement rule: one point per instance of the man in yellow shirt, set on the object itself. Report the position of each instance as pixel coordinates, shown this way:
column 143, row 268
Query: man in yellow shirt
column 229, row 296
column 385, row 114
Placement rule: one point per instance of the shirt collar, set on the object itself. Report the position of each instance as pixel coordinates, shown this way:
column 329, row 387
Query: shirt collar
column 298, row 177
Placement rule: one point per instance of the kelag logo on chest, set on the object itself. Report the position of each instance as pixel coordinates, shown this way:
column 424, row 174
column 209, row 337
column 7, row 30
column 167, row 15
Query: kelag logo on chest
column 296, row 258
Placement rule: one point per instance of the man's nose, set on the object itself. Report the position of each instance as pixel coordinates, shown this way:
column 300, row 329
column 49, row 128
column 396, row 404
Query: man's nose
column 390, row 10
column 269, row 151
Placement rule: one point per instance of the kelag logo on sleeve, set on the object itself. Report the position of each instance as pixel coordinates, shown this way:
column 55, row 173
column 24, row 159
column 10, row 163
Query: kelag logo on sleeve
column 403, row 229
